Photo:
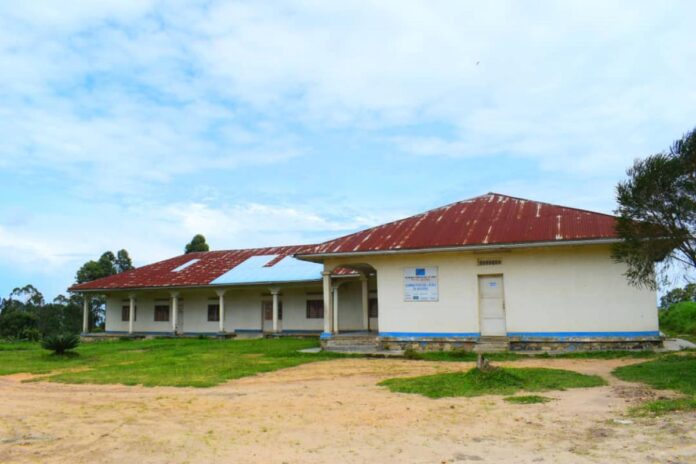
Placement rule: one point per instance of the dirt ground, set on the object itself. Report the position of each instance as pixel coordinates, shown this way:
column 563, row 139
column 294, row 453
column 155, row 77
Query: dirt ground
column 334, row 412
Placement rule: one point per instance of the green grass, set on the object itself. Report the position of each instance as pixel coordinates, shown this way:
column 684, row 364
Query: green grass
column 159, row 362
column 500, row 381
column 527, row 399
column 673, row 372
column 679, row 319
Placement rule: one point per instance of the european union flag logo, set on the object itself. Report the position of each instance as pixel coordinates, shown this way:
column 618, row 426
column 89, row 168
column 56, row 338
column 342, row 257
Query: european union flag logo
column 420, row 272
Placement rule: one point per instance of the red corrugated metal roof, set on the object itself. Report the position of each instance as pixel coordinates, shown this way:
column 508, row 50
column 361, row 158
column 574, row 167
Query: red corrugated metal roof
column 210, row 265
column 484, row 220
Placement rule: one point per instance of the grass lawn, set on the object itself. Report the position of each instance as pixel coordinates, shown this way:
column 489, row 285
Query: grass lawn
column 673, row 372
column 159, row 362
column 500, row 381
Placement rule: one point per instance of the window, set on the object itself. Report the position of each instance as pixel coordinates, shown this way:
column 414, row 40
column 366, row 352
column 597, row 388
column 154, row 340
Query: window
column 315, row 309
column 267, row 307
column 372, row 308
column 214, row 312
column 125, row 309
column 489, row 262
column 161, row 313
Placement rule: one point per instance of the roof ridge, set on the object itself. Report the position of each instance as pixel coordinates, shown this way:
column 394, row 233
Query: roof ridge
column 550, row 204
column 228, row 250
column 403, row 218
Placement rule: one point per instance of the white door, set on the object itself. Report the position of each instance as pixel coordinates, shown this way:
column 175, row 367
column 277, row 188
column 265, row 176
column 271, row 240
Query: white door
column 492, row 306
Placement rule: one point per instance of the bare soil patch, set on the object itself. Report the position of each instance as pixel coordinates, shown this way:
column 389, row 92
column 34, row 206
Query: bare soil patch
column 334, row 412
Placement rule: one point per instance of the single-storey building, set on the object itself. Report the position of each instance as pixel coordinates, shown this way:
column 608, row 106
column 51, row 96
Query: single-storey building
column 527, row 274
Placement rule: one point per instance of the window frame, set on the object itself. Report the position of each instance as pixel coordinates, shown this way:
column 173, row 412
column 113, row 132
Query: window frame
column 309, row 308
column 125, row 309
column 214, row 309
column 159, row 311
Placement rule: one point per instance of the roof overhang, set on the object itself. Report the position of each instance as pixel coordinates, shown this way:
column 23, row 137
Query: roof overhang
column 174, row 288
column 472, row 248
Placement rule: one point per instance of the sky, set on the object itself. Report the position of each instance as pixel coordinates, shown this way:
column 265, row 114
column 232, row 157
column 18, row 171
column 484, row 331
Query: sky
column 138, row 123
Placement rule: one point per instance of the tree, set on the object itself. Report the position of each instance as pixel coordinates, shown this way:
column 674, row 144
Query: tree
column 657, row 214
column 123, row 262
column 678, row 295
column 197, row 244
column 108, row 264
column 93, row 270
column 25, row 315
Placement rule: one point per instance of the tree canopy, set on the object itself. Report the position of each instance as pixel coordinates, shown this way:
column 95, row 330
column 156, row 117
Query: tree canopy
column 107, row 264
column 657, row 214
column 197, row 243
column 25, row 315
column 678, row 295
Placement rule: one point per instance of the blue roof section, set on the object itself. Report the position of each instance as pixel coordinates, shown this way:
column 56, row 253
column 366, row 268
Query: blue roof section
column 253, row 271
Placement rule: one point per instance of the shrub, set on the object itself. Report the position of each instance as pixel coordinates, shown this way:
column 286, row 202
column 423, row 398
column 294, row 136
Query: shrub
column 59, row 344
column 14, row 324
column 680, row 318
column 30, row 334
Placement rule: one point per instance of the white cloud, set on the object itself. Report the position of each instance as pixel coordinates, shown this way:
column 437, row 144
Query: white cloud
column 525, row 79
column 53, row 246
column 117, row 99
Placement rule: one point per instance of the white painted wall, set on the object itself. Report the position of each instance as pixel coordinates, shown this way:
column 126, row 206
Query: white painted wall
column 555, row 289
column 242, row 309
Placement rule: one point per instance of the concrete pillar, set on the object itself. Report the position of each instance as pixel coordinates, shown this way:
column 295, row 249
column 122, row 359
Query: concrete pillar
column 365, row 301
column 335, row 307
column 85, row 313
column 275, row 292
column 328, row 303
column 131, row 312
column 175, row 309
column 221, row 304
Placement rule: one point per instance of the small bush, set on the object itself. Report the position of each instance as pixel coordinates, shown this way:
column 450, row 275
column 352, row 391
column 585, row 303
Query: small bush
column 59, row 344
column 30, row 334
column 680, row 318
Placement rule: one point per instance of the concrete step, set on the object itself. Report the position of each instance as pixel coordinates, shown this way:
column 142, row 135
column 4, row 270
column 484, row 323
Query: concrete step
column 492, row 345
column 364, row 341
column 490, row 348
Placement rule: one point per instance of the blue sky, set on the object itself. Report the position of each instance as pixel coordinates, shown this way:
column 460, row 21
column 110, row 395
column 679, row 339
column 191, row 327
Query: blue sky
column 136, row 124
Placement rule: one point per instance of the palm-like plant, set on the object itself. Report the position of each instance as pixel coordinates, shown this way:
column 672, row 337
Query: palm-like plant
column 59, row 344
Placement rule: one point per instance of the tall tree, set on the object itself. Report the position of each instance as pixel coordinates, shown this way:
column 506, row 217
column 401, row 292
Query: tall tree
column 123, row 261
column 197, row 244
column 108, row 264
column 657, row 214
column 25, row 315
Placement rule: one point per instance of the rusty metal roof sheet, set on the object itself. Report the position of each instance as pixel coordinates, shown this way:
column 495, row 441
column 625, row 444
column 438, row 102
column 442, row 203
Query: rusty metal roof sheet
column 488, row 219
column 189, row 270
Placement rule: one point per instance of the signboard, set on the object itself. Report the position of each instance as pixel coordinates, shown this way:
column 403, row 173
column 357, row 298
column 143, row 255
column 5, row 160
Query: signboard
column 420, row 284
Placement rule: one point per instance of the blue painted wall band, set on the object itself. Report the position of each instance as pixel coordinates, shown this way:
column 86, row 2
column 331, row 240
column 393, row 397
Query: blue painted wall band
column 649, row 333
column 412, row 335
